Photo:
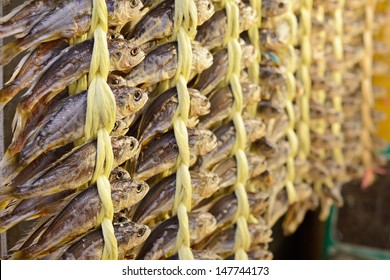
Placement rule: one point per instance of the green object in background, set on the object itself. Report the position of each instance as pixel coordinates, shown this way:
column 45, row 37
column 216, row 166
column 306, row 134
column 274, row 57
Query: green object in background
column 337, row 250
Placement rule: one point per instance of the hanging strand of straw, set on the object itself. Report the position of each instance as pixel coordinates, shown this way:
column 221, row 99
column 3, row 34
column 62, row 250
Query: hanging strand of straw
column 101, row 108
column 185, row 29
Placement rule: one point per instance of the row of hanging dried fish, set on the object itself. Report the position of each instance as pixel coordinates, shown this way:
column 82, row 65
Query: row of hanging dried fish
column 273, row 92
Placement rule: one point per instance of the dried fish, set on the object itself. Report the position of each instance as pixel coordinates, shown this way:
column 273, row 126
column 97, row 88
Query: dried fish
column 30, row 68
column 226, row 136
column 161, row 241
column 78, row 165
column 161, row 64
column 83, row 213
column 158, row 23
column 69, row 19
column 161, row 153
column 160, row 198
column 63, row 124
column 41, row 206
column 73, row 63
column 90, row 247
column 222, row 102
column 164, row 107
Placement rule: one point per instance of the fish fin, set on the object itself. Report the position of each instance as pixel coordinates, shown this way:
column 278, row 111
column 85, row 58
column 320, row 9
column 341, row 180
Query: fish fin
column 10, row 207
column 39, row 227
column 10, row 51
column 9, row 167
column 5, row 197
column 17, row 68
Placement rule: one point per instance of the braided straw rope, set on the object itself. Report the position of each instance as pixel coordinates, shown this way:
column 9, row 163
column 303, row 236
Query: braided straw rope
column 242, row 236
column 184, row 31
column 101, row 107
column 304, row 74
column 338, row 75
column 367, row 97
column 291, row 90
column 319, row 126
column 254, row 37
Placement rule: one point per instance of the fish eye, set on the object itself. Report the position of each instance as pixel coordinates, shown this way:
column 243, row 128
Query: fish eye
column 132, row 145
column 120, row 175
column 112, row 36
column 133, row 3
column 115, row 81
column 139, row 188
column 121, row 219
column 281, row 5
column 141, row 231
column 137, row 95
column 116, row 125
column 135, row 51
column 209, row 6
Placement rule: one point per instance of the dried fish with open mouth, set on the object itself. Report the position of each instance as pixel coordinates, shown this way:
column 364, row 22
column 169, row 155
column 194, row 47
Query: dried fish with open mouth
column 63, row 124
column 82, row 213
column 41, row 206
column 78, row 165
column 161, row 241
column 161, row 153
column 90, row 247
column 67, row 20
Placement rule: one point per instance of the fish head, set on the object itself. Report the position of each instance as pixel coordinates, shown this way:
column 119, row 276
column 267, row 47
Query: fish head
column 122, row 11
column 248, row 16
column 249, row 54
column 121, row 126
column 273, row 8
column 200, row 104
column 126, row 193
column 124, row 148
column 202, row 141
column 251, row 92
column 257, row 164
column 201, row 225
column 115, row 80
column 258, row 202
column 124, row 55
column 255, row 129
column 202, row 58
column 119, row 174
column 131, row 233
column 129, row 100
column 206, row 183
column 205, row 10
column 260, row 233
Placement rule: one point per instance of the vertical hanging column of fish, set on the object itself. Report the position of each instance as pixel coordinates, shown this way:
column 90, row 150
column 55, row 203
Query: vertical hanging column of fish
column 272, row 147
column 296, row 212
column 172, row 59
column 333, row 140
column 277, row 77
column 212, row 34
column 46, row 124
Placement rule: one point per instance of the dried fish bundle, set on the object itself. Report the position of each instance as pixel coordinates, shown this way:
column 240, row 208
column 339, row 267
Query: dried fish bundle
column 235, row 113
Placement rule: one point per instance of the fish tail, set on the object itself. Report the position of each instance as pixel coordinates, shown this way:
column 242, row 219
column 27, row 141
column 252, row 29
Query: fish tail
column 5, row 196
column 6, row 94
